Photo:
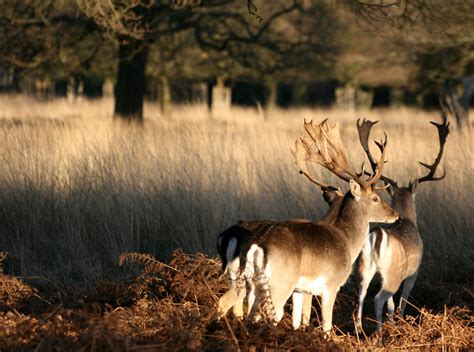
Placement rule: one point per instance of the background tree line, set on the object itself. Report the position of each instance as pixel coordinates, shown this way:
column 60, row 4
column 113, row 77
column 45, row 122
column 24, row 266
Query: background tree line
column 144, row 45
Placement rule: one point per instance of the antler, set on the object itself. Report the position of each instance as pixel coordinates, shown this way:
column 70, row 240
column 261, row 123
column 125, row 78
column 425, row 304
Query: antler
column 322, row 144
column 443, row 130
column 302, row 154
column 363, row 130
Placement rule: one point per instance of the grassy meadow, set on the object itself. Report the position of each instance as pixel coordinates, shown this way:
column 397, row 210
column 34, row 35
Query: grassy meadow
column 77, row 189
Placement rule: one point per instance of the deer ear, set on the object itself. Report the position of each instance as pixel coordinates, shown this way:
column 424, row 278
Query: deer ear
column 355, row 189
column 390, row 189
column 413, row 186
column 329, row 196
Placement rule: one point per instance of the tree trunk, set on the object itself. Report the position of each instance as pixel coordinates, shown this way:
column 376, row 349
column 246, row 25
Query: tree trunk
column 164, row 96
column 221, row 97
column 396, row 97
column 130, row 85
column 271, row 100
column 345, row 97
column 465, row 100
column 454, row 107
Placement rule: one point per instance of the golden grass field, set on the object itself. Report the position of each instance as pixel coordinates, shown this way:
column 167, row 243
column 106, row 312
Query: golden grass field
column 78, row 189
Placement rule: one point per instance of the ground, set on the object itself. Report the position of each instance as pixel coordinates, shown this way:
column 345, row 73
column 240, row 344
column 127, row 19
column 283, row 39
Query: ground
column 173, row 307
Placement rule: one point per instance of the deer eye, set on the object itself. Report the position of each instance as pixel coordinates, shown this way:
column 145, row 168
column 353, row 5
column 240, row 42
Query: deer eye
column 375, row 198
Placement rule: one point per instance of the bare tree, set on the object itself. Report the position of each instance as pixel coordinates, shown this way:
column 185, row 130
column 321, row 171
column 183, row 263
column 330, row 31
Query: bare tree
column 47, row 38
column 266, row 40
column 438, row 37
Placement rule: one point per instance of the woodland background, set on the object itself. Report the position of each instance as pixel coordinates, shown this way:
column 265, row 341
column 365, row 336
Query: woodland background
column 146, row 126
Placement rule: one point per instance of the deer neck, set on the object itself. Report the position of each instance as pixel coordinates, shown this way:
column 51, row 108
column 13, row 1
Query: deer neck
column 406, row 208
column 333, row 211
column 353, row 222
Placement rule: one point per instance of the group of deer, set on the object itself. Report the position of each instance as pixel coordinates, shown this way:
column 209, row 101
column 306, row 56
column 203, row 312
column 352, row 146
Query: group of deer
column 269, row 261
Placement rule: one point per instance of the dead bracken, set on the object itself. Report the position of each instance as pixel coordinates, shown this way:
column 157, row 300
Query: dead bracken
column 173, row 307
column 12, row 290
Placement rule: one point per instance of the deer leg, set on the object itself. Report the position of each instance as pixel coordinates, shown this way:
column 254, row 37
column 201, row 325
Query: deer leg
column 380, row 300
column 298, row 298
column 367, row 269
column 238, row 308
column 279, row 295
column 253, row 302
column 328, row 298
column 390, row 284
column 226, row 302
column 251, row 296
column 407, row 287
column 389, row 287
column 307, row 306
column 234, row 297
column 390, row 308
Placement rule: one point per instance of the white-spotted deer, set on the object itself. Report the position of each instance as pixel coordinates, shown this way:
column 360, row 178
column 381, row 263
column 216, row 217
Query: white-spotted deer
column 395, row 250
column 315, row 257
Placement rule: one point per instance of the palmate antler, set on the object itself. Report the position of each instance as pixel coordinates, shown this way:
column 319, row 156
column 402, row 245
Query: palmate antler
column 443, row 131
column 322, row 144
column 363, row 130
column 302, row 154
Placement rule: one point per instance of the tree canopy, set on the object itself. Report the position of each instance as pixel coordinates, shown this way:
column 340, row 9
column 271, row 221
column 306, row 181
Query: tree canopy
column 423, row 45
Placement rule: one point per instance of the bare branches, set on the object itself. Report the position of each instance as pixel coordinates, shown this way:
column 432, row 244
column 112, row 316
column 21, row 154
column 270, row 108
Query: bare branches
column 266, row 45
column 253, row 10
column 123, row 18
column 47, row 38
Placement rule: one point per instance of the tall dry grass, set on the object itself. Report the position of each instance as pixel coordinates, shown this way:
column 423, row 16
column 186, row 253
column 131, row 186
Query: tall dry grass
column 76, row 189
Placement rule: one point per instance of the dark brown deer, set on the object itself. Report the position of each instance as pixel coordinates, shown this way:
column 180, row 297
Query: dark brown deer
column 395, row 251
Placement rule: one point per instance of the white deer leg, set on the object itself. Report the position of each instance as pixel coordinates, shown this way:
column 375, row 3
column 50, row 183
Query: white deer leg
column 390, row 308
column 232, row 298
column 280, row 293
column 307, row 306
column 238, row 308
column 251, row 296
column 328, row 298
column 253, row 302
column 367, row 269
column 235, row 295
column 297, row 313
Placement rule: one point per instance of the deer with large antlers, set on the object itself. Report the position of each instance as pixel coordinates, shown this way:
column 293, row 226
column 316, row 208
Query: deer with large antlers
column 231, row 241
column 315, row 257
column 395, row 250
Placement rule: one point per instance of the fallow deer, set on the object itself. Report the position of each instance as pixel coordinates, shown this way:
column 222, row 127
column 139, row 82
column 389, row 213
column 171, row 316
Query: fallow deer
column 315, row 257
column 395, row 250
column 232, row 240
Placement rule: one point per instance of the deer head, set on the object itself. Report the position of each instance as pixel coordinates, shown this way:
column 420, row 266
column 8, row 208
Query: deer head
column 322, row 144
column 403, row 197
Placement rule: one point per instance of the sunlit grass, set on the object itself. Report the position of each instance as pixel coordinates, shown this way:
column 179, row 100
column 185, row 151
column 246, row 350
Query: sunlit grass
column 76, row 189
